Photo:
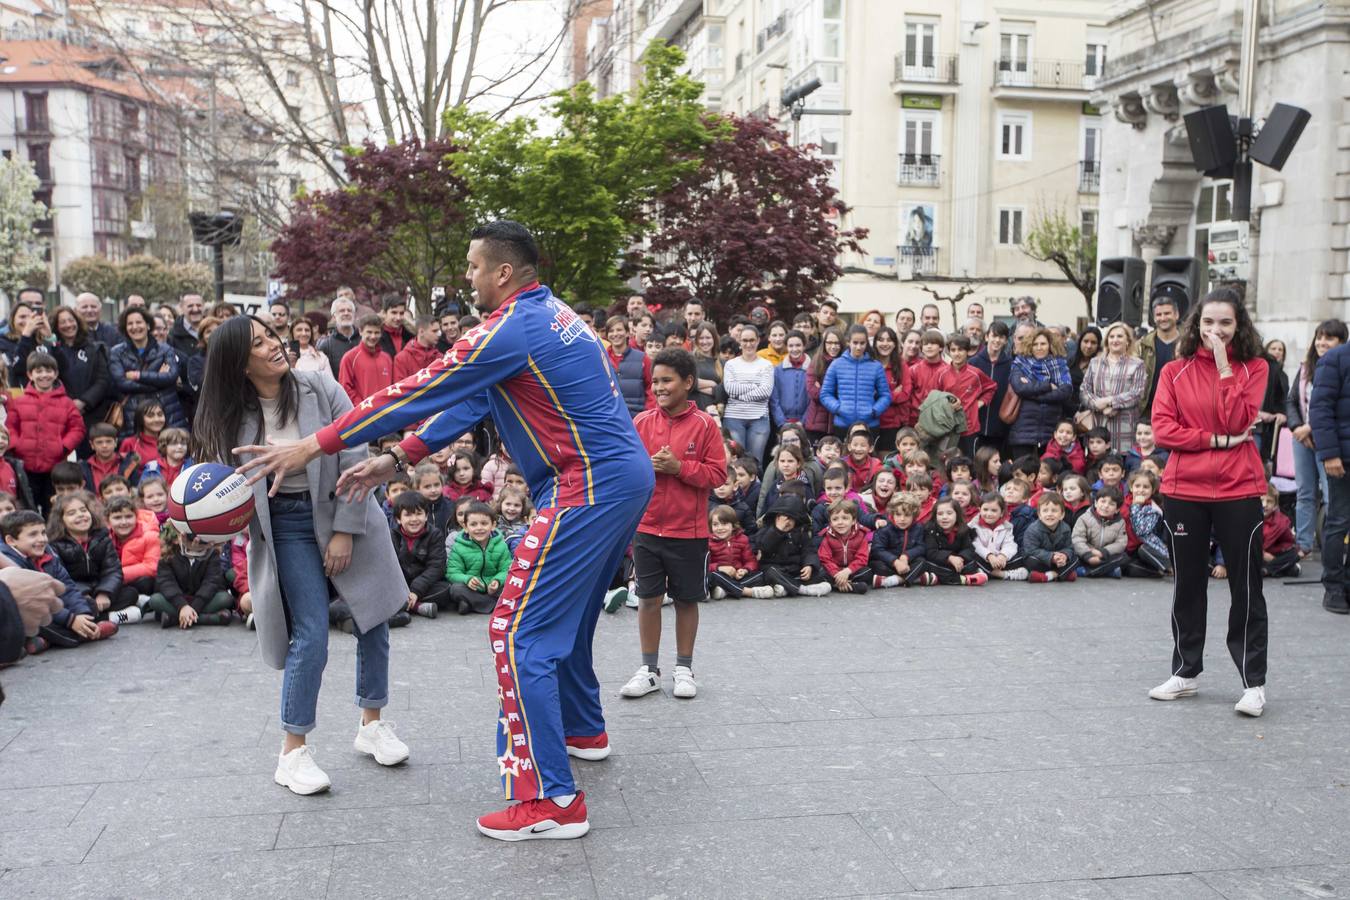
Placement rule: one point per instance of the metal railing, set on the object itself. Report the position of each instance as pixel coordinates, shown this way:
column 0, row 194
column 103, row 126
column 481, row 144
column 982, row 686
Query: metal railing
column 930, row 68
column 1061, row 74
column 1089, row 176
column 918, row 260
column 773, row 30
column 32, row 125
column 920, row 169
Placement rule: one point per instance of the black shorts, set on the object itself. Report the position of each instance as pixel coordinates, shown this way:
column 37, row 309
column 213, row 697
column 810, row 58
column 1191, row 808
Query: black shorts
column 677, row 567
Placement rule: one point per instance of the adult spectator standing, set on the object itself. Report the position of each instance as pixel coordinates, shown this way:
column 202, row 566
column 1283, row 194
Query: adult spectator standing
column 1089, row 345
column 748, row 382
column 904, row 321
column 393, row 310
column 367, row 368
column 930, row 317
column 995, row 360
column 709, row 365
column 633, row 367
column 975, row 311
column 304, row 354
column 817, row 419
column 886, row 349
column 1040, row 376
column 974, row 329
column 418, row 353
column 855, row 388
column 28, row 330
column 134, row 301
column 280, row 314
column 342, row 334
column 90, row 310
column 183, row 335
column 693, row 315
column 1329, row 416
column 1308, row 475
column 143, row 369
column 827, row 314
column 872, row 320
column 1113, row 385
column 789, row 400
column 1024, row 310
column 1272, row 418
column 1157, row 347
column 1206, row 402
column 635, row 306
column 83, row 366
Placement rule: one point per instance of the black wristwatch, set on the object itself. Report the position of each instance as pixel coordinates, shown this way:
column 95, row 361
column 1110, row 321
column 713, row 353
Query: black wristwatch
column 399, row 464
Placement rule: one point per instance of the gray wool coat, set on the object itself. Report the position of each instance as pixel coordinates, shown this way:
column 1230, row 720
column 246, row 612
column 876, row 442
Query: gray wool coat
column 373, row 584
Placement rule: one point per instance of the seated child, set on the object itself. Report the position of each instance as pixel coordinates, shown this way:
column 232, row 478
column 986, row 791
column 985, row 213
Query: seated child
column 137, row 545
column 789, row 468
column 86, row 549
column 457, row 526
column 860, row 462
column 897, row 546
column 1026, row 469
column 173, row 456
column 154, row 496
column 13, row 478
column 1154, row 464
column 1076, row 493
column 987, row 468
column 959, row 468
column 919, row 463
column 963, row 493
column 397, row 484
column 1020, row 513
column 477, row 562
column 1148, row 552
column 190, row 587
column 8, row 503
column 1144, row 446
column 1099, row 537
column 828, row 449
column 243, row 597
column 67, row 479
column 844, row 549
column 147, row 422
column 464, row 481
column 1111, row 473
column 786, row 550
column 427, row 479
column 1098, row 442
column 921, row 487
column 1064, row 447
column 1047, row 545
column 420, row 546
column 745, row 475
column 494, row 470
column 835, row 489
column 995, row 548
column 76, row 622
column 949, row 548
column 878, row 495
column 514, row 514
column 730, row 560
column 725, row 494
column 1279, row 552
column 906, row 442
column 1047, row 477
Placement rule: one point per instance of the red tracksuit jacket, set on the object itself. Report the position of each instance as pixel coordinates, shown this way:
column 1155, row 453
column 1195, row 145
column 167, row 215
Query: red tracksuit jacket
column 924, row 377
column 1073, row 457
column 847, row 552
column 679, row 505
column 1191, row 405
column 363, row 372
column 413, row 358
column 860, row 474
column 971, row 387
column 734, row 551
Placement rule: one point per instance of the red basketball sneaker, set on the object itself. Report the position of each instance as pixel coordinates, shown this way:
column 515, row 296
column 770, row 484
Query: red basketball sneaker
column 591, row 748
column 532, row 820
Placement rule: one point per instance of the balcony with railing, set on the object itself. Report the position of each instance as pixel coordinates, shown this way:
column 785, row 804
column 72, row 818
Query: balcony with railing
column 1043, row 79
column 32, row 125
column 916, row 261
column 922, row 169
column 771, row 33
column 932, row 73
column 1089, row 176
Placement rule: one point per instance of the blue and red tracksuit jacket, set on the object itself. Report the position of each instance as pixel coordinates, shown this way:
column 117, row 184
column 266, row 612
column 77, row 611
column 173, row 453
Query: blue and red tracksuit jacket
column 545, row 379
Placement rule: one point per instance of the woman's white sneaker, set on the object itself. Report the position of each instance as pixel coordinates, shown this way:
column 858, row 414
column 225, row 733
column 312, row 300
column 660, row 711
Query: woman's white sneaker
column 643, row 682
column 685, row 686
column 378, row 739
column 1174, row 688
column 298, row 772
column 1253, row 702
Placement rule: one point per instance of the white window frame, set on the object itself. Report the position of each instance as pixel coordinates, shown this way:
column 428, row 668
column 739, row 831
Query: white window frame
column 913, row 68
column 1098, row 53
column 1024, row 31
column 1020, row 212
column 932, row 116
column 1021, row 117
column 1086, row 124
column 1084, row 211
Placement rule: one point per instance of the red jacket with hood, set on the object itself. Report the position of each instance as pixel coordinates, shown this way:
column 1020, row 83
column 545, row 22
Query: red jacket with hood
column 679, row 504
column 43, row 428
column 734, row 551
column 848, row 551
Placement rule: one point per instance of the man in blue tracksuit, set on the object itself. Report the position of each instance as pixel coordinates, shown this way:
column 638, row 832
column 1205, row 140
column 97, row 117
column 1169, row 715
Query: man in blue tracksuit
column 543, row 376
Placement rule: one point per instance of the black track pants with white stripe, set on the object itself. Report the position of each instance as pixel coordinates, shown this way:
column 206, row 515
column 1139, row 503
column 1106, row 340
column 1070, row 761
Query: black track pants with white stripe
column 1236, row 525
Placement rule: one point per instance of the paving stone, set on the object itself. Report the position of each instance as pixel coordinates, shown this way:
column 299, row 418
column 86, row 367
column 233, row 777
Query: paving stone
column 755, row 802
column 42, row 807
column 1299, row 882
column 155, row 841
column 45, row 846
column 1311, row 824
column 1159, row 887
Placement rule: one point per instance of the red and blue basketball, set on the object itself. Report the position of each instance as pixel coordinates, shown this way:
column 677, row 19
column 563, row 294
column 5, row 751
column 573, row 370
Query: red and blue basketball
column 212, row 501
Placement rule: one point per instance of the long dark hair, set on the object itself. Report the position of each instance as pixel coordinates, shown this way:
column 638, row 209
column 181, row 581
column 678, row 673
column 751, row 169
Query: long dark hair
column 821, row 363
column 895, row 363
column 1246, row 340
column 1078, row 350
column 1331, row 328
column 228, row 399
column 81, row 333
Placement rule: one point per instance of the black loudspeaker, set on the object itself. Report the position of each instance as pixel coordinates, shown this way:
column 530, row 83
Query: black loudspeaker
column 1213, row 144
column 1120, row 290
column 1278, row 136
column 1181, row 278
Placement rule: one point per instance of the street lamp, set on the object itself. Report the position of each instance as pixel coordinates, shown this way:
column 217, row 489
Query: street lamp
column 217, row 231
column 794, row 101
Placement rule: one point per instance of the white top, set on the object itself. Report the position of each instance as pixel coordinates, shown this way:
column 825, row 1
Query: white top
column 748, row 386
column 294, row 482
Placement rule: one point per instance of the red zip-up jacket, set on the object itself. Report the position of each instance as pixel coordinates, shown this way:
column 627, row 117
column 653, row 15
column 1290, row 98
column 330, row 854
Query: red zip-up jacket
column 413, row 358
column 734, row 551
column 43, row 427
column 847, row 552
column 679, row 505
column 898, row 413
column 1277, row 535
column 1073, row 457
column 860, row 474
column 364, row 372
column 924, row 377
column 971, row 387
column 1192, row 404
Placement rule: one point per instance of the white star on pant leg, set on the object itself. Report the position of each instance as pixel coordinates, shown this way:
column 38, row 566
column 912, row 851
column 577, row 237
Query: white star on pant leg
column 506, row 726
column 508, row 762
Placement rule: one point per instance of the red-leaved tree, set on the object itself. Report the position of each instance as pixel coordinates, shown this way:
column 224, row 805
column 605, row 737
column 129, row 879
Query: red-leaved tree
column 397, row 223
column 752, row 226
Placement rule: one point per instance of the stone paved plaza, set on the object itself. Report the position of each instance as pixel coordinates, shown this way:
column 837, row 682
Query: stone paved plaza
column 944, row 742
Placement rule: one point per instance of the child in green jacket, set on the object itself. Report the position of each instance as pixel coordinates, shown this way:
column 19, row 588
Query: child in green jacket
column 478, row 561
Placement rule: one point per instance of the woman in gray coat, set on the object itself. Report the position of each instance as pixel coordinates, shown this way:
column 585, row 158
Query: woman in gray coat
column 302, row 537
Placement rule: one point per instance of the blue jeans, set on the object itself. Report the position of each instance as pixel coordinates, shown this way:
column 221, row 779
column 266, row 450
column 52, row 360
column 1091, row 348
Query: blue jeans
column 752, row 434
column 1334, row 529
column 1309, row 475
column 304, row 589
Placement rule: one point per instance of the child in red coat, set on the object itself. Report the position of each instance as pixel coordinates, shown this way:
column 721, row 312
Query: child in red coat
column 860, row 462
column 1064, row 447
column 730, row 559
column 844, row 549
column 1279, row 552
column 44, row 425
column 464, row 482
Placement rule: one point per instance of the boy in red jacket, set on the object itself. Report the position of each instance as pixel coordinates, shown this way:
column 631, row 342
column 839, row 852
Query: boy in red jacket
column 44, row 425
column 1279, row 553
column 862, row 465
column 670, row 550
column 971, row 386
column 421, row 351
column 730, row 559
column 1064, row 447
column 844, row 548
column 930, row 371
column 366, row 368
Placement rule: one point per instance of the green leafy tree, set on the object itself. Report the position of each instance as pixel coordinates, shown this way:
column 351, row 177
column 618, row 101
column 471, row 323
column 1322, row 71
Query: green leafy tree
column 153, row 279
column 20, row 246
column 92, row 274
column 587, row 189
column 1055, row 238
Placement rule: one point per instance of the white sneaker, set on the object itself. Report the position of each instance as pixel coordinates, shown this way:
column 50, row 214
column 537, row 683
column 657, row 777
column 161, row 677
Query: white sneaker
column 816, row 590
column 885, row 581
column 142, row 601
column 248, row 621
column 685, row 686
column 298, row 772
column 779, row 590
column 377, row 739
column 129, row 616
column 631, row 601
column 643, row 682
column 1016, row 574
column 1253, row 701
column 1175, row 688
column 615, row 598
column 719, row 593
column 763, row 592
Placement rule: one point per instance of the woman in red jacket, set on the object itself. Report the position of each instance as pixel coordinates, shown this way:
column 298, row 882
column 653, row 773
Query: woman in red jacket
column 1206, row 403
